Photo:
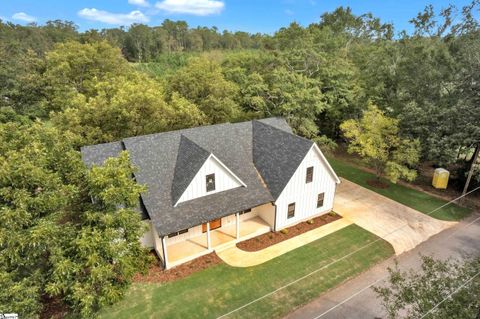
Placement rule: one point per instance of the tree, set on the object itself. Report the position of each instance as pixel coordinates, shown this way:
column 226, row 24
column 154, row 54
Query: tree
column 442, row 289
column 54, row 241
column 73, row 70
column 124, row 107
column 375, row 138
column 201, row 82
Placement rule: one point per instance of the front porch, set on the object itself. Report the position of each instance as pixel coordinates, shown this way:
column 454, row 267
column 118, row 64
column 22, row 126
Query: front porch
column 198, row 242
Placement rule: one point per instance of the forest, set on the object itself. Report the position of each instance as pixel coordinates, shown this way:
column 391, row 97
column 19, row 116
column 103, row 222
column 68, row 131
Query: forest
column 61, row 89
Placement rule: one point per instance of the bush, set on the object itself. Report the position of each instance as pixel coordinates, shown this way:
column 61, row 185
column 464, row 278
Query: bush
column 332, row 213
column 284, row 231
column 310, row 221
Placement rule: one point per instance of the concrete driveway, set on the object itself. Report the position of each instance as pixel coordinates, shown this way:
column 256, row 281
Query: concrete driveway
column 401, row 226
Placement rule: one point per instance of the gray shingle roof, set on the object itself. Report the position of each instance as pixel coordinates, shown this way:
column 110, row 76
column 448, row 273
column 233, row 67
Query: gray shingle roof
column 161, row 158
column 190, row 159
column 277, row 154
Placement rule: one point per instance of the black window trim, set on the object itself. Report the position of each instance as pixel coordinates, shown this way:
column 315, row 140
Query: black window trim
column 309, row 177
column 183, row 231
column 288, row 210
column 246, row 211
column 207, row 184
column 320, row 201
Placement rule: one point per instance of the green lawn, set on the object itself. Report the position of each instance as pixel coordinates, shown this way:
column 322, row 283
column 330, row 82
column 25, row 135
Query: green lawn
column 405, row 195
column 221, row 288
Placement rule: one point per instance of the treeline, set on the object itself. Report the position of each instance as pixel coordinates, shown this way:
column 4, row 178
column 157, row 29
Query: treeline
column 61, row 89
column 138, row 43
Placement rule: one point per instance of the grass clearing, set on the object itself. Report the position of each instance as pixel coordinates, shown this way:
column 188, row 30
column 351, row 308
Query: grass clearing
column 217, row 290
column 410, row 197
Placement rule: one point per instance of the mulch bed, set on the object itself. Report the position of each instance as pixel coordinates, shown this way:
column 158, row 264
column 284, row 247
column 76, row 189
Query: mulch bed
column 157, row 274
column 377, row 183
column 271, row 238
column 53, row 308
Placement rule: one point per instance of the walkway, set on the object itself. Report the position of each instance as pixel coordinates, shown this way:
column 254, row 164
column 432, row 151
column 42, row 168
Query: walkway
column 403, row 227
column 236, row 257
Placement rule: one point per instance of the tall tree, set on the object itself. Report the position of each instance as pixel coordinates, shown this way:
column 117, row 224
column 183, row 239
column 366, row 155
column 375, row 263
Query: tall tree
column 375, row 138
column 54, row 241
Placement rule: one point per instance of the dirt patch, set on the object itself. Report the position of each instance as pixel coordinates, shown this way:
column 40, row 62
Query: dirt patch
column 157, row 274
column 377, row 183
column 53, row 308
column 271, row 238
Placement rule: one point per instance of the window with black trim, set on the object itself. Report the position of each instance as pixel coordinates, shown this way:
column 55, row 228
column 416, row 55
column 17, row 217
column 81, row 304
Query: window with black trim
column 245, row 211
column 210, row 181
column 309, row 177
column 320, row 199
column 291, row 210
column 183, row 231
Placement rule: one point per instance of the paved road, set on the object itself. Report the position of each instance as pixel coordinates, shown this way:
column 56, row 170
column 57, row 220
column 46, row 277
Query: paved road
column 457, row 241
column 403, row 227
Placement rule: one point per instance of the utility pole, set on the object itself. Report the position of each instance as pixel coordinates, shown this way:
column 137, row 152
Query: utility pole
column 472, row 168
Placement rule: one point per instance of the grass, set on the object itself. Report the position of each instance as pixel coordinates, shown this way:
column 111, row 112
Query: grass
column 219, row 289
column 410, row 197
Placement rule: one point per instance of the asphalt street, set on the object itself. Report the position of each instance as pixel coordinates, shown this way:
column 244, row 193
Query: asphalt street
column 354, row 300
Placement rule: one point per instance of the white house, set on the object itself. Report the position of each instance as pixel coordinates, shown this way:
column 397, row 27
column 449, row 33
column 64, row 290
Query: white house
column 212, row 186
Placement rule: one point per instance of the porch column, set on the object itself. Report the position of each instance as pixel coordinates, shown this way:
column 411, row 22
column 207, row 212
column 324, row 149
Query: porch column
column 237, row 217
column 164, row 250
column 209, row 243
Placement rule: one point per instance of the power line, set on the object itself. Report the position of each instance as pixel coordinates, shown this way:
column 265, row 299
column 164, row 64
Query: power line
column 335, row 261
column 450, row 295
column 380, row 279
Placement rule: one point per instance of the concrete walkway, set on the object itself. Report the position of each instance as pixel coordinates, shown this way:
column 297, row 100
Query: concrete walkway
column 236, row 257
column 403, row 227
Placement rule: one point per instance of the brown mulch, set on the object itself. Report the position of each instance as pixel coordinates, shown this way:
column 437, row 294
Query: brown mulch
column 157, row 274
column 53, row 308
column 377, row 183
column 271, row 238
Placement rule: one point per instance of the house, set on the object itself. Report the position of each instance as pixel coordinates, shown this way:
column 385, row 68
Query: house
column 212, row 186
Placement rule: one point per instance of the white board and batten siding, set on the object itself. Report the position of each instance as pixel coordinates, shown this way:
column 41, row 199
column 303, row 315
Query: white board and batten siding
column 305, row 195
column 224, row 180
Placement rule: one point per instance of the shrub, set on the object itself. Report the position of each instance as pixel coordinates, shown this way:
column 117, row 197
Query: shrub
column 284, row 231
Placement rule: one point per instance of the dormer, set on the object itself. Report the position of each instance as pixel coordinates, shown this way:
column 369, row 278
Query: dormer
column 199, row 173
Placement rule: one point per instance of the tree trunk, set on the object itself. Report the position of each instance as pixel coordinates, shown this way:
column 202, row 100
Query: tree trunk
column 472, row 167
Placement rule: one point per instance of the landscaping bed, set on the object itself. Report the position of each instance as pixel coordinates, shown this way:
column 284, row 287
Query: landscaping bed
column 157, row 274
column 271, row 238
column 219, row 289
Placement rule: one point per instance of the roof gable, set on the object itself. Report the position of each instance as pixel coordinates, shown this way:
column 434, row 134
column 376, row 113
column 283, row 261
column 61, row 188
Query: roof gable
column 190, row 159
column 225, row 180
column 277, row 154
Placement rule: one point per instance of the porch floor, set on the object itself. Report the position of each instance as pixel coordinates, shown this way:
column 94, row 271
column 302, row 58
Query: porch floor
column 197, row 246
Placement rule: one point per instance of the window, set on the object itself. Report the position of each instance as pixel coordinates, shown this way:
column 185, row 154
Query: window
column 309, row 175
column 245, row 211
column 320, row 198
column 210, row 179
column 183, row 231
column 291, row 210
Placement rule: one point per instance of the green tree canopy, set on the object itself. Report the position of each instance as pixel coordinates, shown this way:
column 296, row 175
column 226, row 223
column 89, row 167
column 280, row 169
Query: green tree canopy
column 375, row 138
column 54, row 241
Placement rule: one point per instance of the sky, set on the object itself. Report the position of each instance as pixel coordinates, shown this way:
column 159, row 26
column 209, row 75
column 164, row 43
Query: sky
column 265, row 16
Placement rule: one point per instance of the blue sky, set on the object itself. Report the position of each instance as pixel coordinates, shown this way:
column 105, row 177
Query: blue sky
column 247, row 15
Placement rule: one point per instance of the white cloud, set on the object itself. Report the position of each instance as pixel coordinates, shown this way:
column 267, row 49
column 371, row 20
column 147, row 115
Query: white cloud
column 22, row 16
column 140, row 3
column 289, row 12
column 195, row 7
column 113, row 18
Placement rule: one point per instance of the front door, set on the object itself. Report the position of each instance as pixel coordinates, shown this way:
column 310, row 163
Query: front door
column 214, row 224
